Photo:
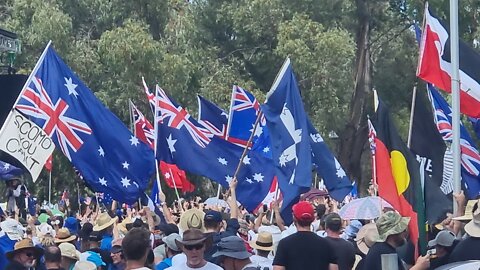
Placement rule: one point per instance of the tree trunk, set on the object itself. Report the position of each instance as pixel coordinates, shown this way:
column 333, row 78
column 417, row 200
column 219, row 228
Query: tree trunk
column 354, row 136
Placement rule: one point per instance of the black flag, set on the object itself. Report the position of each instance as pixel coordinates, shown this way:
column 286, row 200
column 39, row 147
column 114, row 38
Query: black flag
column 430, row 150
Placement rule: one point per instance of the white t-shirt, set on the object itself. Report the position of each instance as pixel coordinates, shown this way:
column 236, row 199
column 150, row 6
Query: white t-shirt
column 261, row 261
column 184, row 266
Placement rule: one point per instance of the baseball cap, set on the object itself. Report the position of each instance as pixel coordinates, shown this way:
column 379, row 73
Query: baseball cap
column 444, row 238
column 213, row 215
column 303, row 211
column 333, row 221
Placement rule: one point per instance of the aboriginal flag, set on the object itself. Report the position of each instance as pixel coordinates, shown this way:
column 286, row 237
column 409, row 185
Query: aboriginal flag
column 398, row 175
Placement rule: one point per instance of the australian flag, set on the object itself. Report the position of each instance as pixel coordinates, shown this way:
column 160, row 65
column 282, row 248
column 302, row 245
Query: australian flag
column 289, row 136
column 108, row 156
column 244, row 109
column 8, row 171
column 183, row 141
column 470, row 158
column 328, row 167
column 212, row 117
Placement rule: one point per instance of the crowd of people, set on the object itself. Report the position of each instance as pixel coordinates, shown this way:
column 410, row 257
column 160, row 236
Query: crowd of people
column 193, row 235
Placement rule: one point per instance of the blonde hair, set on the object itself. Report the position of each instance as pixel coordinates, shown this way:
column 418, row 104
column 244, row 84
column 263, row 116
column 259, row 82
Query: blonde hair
column 47, row 241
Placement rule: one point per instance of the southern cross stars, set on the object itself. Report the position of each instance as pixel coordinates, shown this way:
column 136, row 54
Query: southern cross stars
column 134, row 140
column 71, row 87
column 222, row 161
column 102, row 181
column 125, row 165
column 125, row 181
column 228, row 178
column 258, row 177
column 6, row 166
column 171, row 143
column 101, row 152
column 246, row 160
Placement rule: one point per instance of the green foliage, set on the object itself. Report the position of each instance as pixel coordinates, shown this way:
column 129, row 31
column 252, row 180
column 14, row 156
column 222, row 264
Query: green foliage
column 204, row 47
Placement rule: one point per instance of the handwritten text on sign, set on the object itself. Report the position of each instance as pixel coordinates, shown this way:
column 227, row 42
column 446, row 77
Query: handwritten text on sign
column 27, row 142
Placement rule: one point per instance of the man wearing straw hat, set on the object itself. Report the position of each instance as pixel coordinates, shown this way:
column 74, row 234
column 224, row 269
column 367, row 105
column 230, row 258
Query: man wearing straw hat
column 467, row 249
column 104, row 225
column 23, row 256
column 263, row 245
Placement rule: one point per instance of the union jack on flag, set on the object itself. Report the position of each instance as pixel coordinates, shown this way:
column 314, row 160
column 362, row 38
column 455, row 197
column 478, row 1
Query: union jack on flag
column 107, row 155
column 56, row 124
column 470, row 158
column 178, row 117
column 372, row 134
column 142, row 128
column 212, row 117
column 242, row 100
column 150, row 95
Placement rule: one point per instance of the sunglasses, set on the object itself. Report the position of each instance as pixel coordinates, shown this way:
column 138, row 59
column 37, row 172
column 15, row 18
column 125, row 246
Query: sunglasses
column 29, row 254
column 192, row 247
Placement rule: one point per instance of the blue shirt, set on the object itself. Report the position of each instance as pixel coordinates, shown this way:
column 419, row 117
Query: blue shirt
column 6, row 245
column 106, row 242
column 164, row 264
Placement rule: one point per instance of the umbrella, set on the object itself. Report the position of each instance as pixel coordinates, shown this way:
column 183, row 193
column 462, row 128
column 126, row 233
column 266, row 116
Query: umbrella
column 314, row 193
column 214, row 201
column 363, row 208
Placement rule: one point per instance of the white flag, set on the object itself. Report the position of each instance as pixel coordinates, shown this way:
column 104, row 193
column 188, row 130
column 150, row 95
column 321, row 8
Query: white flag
column 26, row 142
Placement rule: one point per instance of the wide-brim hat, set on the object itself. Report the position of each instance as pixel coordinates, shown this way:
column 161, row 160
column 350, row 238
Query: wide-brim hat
column 473, row 227
column 194, row 237
column 23, row 245
column 12, row 228
column 63, row 235
column 468, row 211
column 232, row 247
column 122, row 226
column 68, row 250
column 104, row 221
column 391, row 223
column 192, row 219
column 366, row 237
column 264, row 242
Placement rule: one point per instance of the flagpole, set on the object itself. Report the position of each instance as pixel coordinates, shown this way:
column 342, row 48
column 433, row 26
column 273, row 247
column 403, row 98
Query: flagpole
column 50, row 186
column 155, row 124
column 454, row 56
column 37, row 65
column 174, row 184
column 412, row 112
column 245, row 150
column 275, row 198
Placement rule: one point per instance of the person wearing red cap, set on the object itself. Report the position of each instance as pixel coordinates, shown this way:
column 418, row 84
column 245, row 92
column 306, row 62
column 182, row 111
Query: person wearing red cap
column 304, row 249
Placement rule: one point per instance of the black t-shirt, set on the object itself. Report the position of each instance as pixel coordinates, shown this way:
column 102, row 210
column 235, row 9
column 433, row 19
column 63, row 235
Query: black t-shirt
column 344, row 251
column 467, row 249
column 304, row 250
column 373, row 261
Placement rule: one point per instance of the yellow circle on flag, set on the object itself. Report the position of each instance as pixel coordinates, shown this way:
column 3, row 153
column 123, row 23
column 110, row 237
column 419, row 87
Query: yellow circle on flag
column 399, row 171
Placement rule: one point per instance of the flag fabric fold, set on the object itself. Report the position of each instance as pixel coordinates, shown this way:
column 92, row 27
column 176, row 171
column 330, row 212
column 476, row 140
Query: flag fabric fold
column 144, row 131
column 470, row 157
column 186, row 143
column 430, row 149
column 287, row 123
column 398, row 175
column 8, row 171
column 434, row 65
column 212, row 117
column 97, row 143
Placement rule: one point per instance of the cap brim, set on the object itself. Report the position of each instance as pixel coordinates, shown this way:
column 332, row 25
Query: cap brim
column 241, row 255
column 432, row 243
column 254, row 245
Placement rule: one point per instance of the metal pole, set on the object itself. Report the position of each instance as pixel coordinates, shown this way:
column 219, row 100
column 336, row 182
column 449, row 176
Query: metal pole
column 412, row 113
column 155, row 124
column 50, row 187
column 454, row 56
